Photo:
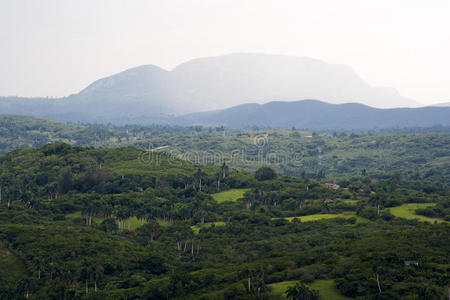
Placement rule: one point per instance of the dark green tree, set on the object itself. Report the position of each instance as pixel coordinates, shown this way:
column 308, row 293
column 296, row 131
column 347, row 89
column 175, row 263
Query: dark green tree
column 300, row 291
column 265, row 173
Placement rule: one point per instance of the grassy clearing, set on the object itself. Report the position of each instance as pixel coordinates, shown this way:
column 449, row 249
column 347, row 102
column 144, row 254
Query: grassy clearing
column 316, row 217
column 196, row 228
column 327, row 289
column 77, row 215
column 351, row 202
column 408, row 211
column 163, row 223
column 230, row 195
column 133, row 221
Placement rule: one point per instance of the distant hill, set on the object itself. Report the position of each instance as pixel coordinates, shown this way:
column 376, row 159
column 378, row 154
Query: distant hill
column 313, row 114
column 18, row 132
column 445, row 104
column 149, row 94
column 223, row 81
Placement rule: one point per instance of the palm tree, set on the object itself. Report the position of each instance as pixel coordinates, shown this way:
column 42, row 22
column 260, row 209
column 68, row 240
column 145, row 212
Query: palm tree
column 198, row 177
column 218, row 181
column 321, row 175
column 224, row 169
column 326, row 206
column 364, row 172
column 97, row 272
column 376, row 200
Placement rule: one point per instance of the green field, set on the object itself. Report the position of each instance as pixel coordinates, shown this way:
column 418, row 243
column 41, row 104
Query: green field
column 196, row 228
column 316, row 217
column 408, row 211
column 327, row 289
column 230, row 195
column 351, row 202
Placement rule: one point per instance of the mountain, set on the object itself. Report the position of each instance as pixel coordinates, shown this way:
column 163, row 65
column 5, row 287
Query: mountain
column 149, row 94
column 313, row 114
column 143, row 94
column 223, row 81
column 445, row 104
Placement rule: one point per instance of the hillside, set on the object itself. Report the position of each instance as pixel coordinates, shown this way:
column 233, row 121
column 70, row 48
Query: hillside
column 445, row 104
column 83, row 223
column 148, row 94
column 224, row 81
column 317, row 115
column 20, row 132
column 421, row 155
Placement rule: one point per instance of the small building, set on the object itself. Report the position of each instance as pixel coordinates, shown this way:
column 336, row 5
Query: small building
column 332, row 186
column 411, row 262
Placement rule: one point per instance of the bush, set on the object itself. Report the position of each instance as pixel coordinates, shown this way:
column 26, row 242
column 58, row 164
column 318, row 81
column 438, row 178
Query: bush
column 265, row 173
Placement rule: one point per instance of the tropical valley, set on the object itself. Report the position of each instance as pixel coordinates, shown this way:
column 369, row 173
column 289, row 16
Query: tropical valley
column 224, row 150
column 157, row 212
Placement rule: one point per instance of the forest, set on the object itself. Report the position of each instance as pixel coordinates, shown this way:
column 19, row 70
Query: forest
column 416, row 153
column 85, row 222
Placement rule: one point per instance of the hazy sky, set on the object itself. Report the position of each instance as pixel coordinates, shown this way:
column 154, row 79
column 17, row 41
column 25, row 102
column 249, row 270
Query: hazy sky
column 56, row 47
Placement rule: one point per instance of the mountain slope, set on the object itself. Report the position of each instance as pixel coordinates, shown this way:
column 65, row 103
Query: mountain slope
column 313, row 114
column 18, row 132
column 445, row 104
column 240, row 78
column 149, row 94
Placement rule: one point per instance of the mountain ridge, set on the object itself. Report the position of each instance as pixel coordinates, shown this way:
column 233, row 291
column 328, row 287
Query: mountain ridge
column 314, row 114
column 149, row 94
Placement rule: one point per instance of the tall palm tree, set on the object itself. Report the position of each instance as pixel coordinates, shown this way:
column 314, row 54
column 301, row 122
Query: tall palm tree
column 198, row 177
column 376, row 200
column 224, row 169
column 326, row 206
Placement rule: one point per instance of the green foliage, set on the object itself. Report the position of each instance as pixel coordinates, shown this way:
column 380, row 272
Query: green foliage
column 265, row 173
column 300, row 291
column 414, row 153
column 230, row 195
column 128, row 223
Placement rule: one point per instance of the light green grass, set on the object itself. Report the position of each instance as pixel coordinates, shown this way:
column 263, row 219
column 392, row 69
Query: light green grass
column 327, row 289
column 134, row 223
column 230, row 195
column 351, row 202
column 408, row 211
column 163, row 223
column 77, row 215
column 316, row 217
column 196, row 228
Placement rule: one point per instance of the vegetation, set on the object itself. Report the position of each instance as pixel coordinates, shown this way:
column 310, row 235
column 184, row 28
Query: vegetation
column 326, row 289
column 85, row 222
column 300, row 291
column 230, row 195
column 408, row 211
column 412, row 153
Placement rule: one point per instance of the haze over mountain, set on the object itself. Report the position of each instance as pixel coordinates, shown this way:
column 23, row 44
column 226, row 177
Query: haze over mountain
column 218, row 82
column 313, row 114
column 149, row 94
column 442, row 104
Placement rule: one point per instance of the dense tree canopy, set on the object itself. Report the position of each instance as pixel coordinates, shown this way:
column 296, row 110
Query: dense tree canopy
column 84, row 222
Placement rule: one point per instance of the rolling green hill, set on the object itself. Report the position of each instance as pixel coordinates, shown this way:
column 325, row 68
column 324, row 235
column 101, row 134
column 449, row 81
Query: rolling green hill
column 82, row 222
column 337, row 155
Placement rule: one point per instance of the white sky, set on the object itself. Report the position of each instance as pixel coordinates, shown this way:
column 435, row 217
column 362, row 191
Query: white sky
column 56, row 47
